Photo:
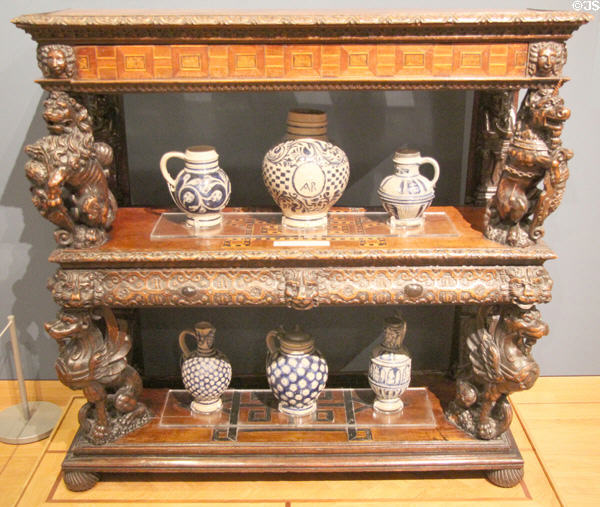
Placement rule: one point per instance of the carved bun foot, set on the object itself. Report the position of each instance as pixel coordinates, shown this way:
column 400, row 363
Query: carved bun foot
column 505, row 478
column 80, row 481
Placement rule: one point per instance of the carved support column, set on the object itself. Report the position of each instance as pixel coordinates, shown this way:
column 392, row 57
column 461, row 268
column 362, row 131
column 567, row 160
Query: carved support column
column 516, row 213
column 96, row 362
column 108, row 126
column 499, row 363
column 68, row 173
column 493, row 127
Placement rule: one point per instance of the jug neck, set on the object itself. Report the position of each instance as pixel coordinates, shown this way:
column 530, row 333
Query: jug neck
column 201, row 158
column 407, row 162
column 303, row 123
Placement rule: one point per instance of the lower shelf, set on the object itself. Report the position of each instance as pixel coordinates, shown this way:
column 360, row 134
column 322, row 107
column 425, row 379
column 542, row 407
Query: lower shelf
column 250, row 435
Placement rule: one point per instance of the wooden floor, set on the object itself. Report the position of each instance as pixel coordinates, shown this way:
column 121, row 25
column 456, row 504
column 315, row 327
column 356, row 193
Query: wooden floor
column 557, row 428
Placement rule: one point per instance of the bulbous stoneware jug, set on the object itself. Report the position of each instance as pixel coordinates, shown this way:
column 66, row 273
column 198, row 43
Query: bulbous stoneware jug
column 206, row 371
column 201, row 189
column 296, row 371
column 305, row 174
column 406, row 194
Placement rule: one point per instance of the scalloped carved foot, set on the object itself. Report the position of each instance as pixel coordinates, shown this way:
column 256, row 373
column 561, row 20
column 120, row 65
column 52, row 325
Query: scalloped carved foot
column 80, row 481
column 505, row 478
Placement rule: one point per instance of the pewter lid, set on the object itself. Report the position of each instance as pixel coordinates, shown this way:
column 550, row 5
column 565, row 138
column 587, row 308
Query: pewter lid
column 296, row 340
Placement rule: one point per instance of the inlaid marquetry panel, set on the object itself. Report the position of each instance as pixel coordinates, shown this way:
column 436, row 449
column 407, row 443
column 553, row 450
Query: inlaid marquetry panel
column 301, row 62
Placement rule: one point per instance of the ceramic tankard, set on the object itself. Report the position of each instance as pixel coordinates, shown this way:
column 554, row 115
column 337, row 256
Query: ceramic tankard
column 206, row 371
column 201, row 189
column 406, row 194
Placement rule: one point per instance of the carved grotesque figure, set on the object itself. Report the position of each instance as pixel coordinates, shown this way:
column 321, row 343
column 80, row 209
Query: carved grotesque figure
column 500, row 360
column 547, row 58
column 68, row 173
column 56, row 61
column 75, row 289
column 301, row 290
column 87, row 360
column 527, row 286
column 535, row 154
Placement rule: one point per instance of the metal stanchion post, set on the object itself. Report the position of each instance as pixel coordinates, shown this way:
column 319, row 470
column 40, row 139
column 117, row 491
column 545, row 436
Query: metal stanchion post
column 28, row 421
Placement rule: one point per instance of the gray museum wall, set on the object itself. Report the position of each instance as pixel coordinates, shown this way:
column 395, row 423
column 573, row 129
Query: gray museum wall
column 368, row 126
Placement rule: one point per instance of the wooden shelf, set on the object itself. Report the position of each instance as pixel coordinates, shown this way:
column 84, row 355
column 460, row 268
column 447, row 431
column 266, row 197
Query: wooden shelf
column 131, row 245
column 249, row 435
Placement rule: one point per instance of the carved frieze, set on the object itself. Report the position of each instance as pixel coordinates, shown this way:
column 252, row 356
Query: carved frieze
column 67, row 171
column 499, row 363
column 57, row 61
column 300, row 288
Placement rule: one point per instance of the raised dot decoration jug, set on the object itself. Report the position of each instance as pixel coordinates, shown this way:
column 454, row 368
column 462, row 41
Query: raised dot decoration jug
column 406, row 194
column 296, row 371
column 206, row 371
column 201, row 189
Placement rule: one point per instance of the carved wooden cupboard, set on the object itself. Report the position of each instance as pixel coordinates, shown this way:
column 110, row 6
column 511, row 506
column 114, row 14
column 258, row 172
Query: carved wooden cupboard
column 490, row 267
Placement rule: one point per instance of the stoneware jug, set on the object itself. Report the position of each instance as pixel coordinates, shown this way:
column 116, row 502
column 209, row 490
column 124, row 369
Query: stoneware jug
column 296, row 371
column 407, row 193
column 201, row 189
column 206, row 371
column 390, row 366
column 305, row 174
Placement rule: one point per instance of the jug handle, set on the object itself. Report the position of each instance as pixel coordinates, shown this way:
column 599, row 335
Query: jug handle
column 436, row 168
column 183, row 345
column 163, row 166
column 273, row 341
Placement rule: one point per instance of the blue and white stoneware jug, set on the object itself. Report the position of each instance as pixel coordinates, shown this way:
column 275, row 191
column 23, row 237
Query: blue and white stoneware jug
column 206, row 371
column 296, row 371
column 406, row 194
column 389, row 370
column 201, row 189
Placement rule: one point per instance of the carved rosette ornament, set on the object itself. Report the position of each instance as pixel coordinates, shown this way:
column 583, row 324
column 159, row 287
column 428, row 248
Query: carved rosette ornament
column 57, row 61
column 499, row 362
column 516, row 213
column 546, row 59
column 68, row 173
column 97, row 363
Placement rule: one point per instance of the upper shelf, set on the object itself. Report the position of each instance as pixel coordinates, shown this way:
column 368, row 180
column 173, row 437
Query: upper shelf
column 98, row 26
column 187, row 51
column 461, row 243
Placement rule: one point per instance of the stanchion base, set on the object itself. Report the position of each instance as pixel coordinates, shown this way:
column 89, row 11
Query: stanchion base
column 15, row 429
